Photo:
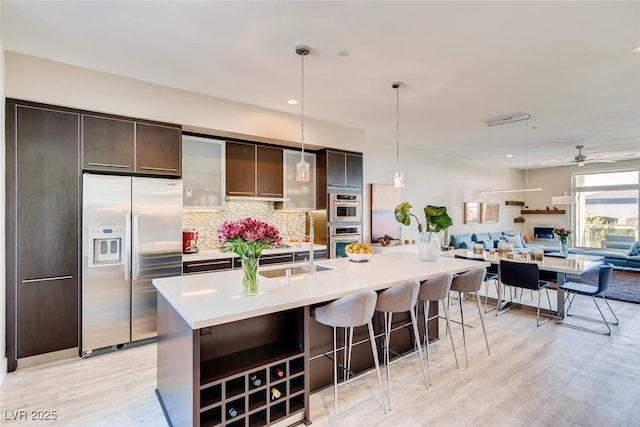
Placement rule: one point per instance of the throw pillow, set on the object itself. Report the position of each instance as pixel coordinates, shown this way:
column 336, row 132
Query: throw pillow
column 515, row 240
column 635, row 249
column 523, row 240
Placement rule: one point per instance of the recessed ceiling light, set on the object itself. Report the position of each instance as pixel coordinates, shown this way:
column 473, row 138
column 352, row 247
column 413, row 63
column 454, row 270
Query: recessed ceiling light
column 637, row 49
column 343, row 53
column 292, row 102
column 508, row 156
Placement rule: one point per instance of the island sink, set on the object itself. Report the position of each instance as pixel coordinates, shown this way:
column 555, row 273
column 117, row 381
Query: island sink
column 282, row 272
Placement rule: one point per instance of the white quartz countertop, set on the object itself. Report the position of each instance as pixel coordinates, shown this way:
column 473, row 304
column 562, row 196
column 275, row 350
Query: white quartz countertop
column 210, row 299
column 217, row 254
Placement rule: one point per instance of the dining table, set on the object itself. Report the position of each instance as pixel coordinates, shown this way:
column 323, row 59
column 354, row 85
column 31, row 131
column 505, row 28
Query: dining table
column 572, row 265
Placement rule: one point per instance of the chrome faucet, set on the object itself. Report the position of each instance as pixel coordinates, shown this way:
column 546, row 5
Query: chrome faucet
column 301, row 214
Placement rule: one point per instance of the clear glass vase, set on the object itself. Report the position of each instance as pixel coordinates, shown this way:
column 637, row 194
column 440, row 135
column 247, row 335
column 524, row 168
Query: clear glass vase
column 250, row 275
column 428, row 246
column 564, row 248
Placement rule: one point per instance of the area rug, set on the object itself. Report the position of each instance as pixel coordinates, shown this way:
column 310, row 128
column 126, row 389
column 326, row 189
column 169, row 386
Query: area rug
column 623, row 286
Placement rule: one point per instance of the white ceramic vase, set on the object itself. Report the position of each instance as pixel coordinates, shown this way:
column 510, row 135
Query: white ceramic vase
column 428, row 246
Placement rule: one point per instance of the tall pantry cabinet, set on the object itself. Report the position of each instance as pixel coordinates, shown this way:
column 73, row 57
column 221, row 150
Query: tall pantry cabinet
column 42, row 229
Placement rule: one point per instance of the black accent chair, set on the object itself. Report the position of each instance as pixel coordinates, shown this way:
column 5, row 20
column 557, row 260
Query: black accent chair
column 573, row 288
column 525, row 276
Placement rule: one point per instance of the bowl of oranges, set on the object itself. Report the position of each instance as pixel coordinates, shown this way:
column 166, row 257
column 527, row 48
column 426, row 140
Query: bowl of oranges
column 358, row 252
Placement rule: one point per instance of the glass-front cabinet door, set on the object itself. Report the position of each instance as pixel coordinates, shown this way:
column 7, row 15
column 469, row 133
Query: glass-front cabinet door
column 299, row 194
column 202, row 173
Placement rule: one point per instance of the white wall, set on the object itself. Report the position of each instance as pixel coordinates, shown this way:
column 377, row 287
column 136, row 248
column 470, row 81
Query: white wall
column 3, row 284
column 431, row 179
column 41, row 80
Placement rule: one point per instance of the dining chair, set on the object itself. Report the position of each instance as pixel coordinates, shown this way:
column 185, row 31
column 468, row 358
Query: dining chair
column 523, row 275
column 575, row 288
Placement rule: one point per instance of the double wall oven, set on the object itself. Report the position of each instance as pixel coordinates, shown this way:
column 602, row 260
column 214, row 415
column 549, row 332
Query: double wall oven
column 345, row 207
column 341, row 236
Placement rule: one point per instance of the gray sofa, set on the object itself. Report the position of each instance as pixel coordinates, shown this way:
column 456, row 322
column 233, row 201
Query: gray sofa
column 491, row 240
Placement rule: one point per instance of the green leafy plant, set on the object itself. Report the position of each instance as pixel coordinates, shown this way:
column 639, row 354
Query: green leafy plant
column 436, row 217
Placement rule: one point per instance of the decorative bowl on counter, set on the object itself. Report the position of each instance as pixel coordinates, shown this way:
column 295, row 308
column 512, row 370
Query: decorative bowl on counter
column 358, row 257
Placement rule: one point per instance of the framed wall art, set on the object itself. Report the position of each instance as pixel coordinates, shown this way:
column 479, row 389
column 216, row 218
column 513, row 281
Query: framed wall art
column 384, row 199
column 471, row 212
column 489, row 213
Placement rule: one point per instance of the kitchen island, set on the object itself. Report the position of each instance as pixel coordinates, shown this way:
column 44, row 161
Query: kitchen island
column 225, row 359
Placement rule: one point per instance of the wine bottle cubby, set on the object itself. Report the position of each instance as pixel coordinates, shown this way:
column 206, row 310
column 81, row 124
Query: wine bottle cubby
column 252, row 373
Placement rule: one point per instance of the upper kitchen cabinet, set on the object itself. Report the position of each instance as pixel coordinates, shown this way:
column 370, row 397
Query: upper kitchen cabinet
column 240, row 169
column 42, row 229
column 269, row 167
column 298, row 195
column 337, row 170
column 353, row 171
column 253, row 171
column 202, row 173
column 158, row 149
column 121, row 145
column 344, row 170
column 107, row 144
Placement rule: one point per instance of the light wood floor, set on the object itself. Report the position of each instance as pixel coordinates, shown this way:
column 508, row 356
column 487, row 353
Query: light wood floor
column 546, row 376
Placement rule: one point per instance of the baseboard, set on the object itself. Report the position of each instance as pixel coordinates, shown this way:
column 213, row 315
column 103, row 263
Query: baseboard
column 40, row 359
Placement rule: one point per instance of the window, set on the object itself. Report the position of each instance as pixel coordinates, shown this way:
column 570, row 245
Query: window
column 607, row 206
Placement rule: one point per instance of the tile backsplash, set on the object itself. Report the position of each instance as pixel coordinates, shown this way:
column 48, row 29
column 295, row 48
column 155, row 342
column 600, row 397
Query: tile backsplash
column 208, row 222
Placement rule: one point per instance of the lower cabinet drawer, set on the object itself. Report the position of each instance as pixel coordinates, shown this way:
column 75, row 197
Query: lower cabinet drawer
column 317, row 254
column 189, row 267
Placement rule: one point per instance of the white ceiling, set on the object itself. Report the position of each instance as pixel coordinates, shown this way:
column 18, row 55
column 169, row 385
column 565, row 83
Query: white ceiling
column 570, row 65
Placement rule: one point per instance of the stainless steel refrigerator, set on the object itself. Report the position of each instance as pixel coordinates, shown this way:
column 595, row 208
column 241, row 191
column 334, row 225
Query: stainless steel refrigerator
column 132, row 233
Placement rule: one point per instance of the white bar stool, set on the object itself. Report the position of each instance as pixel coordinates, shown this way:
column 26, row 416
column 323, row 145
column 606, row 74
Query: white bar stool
column 436, row 289
column 399, row 298
column 471, row 281
column 350, row 312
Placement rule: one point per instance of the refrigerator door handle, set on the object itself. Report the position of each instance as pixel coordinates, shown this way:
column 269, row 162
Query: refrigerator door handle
column 127, row 248
column 134, row 247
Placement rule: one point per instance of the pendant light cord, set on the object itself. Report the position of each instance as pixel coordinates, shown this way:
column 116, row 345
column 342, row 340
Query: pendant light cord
column 398, row 127
column 302, row 110
column 526, row 152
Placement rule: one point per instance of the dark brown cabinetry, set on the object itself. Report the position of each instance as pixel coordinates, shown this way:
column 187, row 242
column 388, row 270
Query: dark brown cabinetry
column 337, row 171
column 253, row 171
column 336, row 167
column 303, row 256
column 353, row 171
column 240, row 169
column 107, row 144
column 158, row 149
column 120, row 145
column 251, row 372
column 203, row 266
column 221, row 264
column 270, row 170
column 42, row 230
column 344, row 170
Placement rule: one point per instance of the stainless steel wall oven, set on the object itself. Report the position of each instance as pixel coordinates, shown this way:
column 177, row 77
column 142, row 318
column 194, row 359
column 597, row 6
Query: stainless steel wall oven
column 340, row 237
column 345, row 207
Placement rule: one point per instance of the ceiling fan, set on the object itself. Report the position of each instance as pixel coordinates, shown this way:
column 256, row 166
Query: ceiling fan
column 581, row 159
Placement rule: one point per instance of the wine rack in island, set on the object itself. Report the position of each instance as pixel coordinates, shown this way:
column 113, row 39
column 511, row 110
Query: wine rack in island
column 253, row 372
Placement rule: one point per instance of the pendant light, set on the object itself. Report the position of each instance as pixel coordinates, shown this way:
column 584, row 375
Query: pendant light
column 398, row 177
column 504, row 121
column 303, row 172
